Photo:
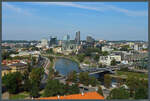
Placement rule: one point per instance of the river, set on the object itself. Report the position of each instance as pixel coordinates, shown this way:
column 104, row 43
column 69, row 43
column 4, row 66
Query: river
column 64, row 66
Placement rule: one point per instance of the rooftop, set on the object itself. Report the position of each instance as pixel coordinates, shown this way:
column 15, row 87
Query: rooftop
column 88, row 95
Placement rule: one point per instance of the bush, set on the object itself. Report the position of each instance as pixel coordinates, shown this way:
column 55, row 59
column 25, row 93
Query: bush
column 13, row 82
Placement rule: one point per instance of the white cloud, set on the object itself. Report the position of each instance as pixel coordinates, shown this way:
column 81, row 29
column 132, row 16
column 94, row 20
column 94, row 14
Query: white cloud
column 101, row 8
column 15, row 8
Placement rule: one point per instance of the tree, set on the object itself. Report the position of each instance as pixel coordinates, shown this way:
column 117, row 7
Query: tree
column 81, row 57
column 96, row 57
column 93, row 81
column 74, row 89
column 125, row 48
column 100, row 90
column 36, row 75
column 27, row 84
column 13, row 82
column 113, row 62
column 133, row 83
column 105, row 53
column 119, row 81
column 119, row 93
column 107, row 80
column 35, row 78
column 34, row 90
column 54, row 88
column 72, row 76
column 50, row 51
column 84, row 78
column 141, row 93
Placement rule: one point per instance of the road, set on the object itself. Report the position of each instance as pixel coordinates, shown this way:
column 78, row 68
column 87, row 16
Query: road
column 46, row 70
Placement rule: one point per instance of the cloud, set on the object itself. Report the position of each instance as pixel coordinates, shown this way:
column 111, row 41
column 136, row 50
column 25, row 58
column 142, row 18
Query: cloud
column 101, row 8
column 16, row 9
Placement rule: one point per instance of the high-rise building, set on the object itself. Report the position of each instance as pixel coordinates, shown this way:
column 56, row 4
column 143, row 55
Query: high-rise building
column 66, row 38
column 77, row 38
column 52, row 41
column 89, row 39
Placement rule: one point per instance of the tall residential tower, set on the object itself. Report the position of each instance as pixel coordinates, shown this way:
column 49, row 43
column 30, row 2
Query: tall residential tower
column 77, row 38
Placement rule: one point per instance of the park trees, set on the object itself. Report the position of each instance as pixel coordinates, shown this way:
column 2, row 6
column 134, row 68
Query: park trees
column 119, row 93
column 54, row 88
column 107, row 80
column 113, row 62
column 35, row 77
column 13, row 82
column 100, row 90
column 72, row 76
column 137, row 87
column 85, row 79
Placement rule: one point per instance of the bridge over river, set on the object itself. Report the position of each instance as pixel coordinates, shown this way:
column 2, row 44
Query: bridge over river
column 95, row 70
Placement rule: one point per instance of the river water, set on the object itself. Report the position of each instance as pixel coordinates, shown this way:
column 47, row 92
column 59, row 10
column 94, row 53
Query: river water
column 64, row 66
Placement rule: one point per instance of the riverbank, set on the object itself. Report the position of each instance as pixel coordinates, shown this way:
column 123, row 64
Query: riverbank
column 70, row 58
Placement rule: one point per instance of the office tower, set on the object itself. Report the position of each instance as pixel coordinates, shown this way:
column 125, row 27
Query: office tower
column 89, row 39
column 53, row 41
column 77, row 38
column 66, row 38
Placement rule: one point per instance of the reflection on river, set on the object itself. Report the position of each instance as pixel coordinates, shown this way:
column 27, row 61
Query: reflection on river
column 64, row 66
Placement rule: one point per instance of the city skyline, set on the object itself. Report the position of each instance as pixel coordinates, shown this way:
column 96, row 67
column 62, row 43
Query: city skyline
column 33, row 21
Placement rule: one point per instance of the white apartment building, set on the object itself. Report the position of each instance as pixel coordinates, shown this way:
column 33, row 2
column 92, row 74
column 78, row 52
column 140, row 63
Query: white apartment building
column 106, row 60
column 106, row 48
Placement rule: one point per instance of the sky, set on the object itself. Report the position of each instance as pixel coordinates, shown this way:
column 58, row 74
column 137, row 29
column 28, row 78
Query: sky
column 101, row 20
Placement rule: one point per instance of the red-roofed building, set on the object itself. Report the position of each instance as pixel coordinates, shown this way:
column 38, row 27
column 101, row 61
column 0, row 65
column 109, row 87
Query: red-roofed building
column 84, row 96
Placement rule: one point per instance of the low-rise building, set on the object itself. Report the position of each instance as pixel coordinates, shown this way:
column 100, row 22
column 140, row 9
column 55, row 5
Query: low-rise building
column 107, row 48
column 18, row 67
column 106, row 60
column 5, row 70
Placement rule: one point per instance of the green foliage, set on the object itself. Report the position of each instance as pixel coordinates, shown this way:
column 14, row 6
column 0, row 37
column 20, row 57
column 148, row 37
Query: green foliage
column 54, row 88
column 119, row 93
column 138, row 88
column 34, row 90
column 88, row 51
column 49, row 51
column 100, row 90
column 72, row 76
column 85, row 79
column 113, row 62
column 141, row 93
column 104, row 53
column 125, row 48
column 6, row 54
column 96, row 57
column 107, row 80
column 81, row 57
column 124, row 69
column 13, row 82
column 36, row 76
column 133, row 84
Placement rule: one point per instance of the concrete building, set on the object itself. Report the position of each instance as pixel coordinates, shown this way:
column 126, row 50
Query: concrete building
column 5, row 70
column 106, row 48
column 77, row 38
column 89, row 39
column 43, row 44
column 106, row 60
